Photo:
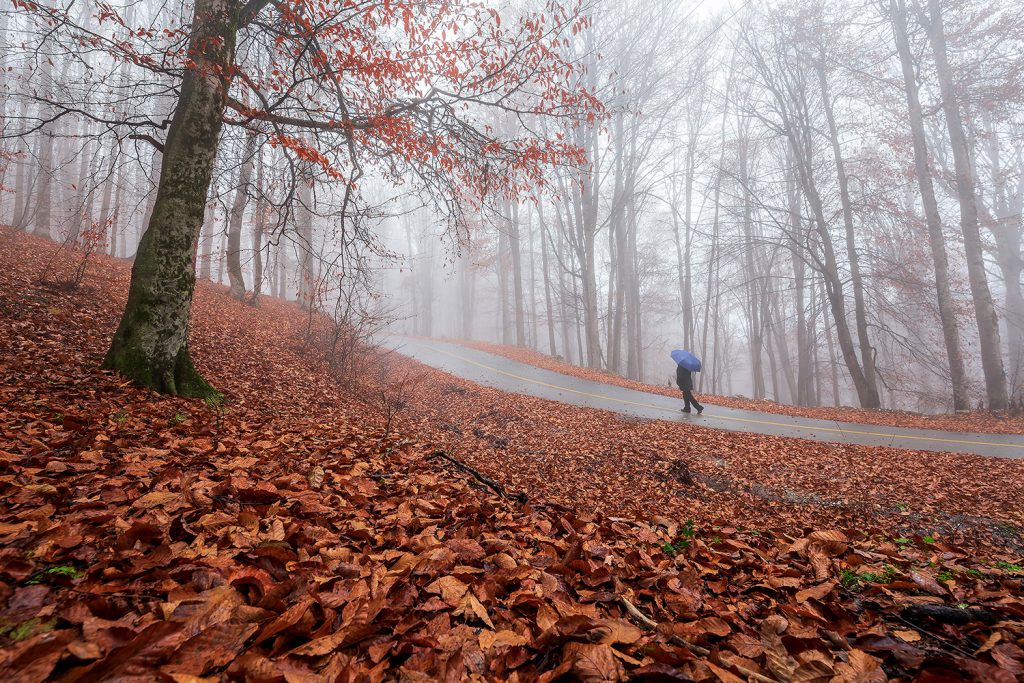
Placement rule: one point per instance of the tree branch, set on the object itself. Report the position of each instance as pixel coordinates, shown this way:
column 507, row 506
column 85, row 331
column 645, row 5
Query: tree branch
column 148, row 138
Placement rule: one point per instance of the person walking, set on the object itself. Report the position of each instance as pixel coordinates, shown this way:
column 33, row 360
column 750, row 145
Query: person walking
column 684, row 378
column 686, row 365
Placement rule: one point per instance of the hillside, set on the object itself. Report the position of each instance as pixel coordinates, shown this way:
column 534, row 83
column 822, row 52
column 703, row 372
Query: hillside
column 292, row 534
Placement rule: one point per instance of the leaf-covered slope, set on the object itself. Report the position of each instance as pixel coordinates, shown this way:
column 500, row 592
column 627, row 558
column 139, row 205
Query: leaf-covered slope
column 284, row 537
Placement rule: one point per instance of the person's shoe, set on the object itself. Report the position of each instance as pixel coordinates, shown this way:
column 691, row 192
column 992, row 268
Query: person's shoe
column 686, row 410
column 700, row 410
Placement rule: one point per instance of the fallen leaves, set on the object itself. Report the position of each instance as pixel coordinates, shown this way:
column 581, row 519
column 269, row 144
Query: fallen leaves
column 288, row 540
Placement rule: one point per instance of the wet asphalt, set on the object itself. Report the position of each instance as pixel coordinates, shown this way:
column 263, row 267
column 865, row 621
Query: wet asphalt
column 515, row 377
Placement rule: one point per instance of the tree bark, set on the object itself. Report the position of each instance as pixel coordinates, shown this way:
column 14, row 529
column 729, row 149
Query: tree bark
column 150, row 346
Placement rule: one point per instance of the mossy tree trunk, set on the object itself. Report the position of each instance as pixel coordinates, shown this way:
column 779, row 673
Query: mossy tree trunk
column 150, row 346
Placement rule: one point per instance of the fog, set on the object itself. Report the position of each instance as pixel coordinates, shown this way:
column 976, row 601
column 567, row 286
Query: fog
column 821, row 200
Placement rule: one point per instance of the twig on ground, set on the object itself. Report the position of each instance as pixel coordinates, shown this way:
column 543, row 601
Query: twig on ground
column 649, row 624
column 490, row 483
column 945, row 641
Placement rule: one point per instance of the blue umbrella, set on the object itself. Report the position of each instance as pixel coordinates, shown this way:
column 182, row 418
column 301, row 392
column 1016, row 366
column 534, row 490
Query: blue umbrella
column 687, row 360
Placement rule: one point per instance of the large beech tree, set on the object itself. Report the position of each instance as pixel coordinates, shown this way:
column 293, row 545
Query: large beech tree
column 338, row 84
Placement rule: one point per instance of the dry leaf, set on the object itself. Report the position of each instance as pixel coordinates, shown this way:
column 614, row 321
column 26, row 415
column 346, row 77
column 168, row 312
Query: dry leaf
column 908, row 636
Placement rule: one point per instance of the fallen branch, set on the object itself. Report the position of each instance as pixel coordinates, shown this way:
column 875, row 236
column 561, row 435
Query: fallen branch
column 950, row 615
column 649, row 624
column 490, row 483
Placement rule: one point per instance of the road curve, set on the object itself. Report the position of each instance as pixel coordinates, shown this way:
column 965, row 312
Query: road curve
column 512, row 376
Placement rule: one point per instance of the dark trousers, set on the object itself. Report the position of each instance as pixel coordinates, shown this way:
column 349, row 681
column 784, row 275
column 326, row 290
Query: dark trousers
column 690, row 400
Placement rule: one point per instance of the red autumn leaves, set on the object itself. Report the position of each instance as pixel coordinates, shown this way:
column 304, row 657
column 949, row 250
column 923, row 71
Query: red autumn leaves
column 282, row 537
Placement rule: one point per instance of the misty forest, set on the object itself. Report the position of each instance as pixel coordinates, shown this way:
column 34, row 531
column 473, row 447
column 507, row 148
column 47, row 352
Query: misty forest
column 582, row 340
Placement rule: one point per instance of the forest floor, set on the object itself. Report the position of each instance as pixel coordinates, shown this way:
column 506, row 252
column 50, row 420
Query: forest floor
column 975, row 421
column 296, row 532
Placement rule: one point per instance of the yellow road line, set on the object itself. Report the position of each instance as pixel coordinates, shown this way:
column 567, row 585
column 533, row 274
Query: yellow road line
column 889, row 435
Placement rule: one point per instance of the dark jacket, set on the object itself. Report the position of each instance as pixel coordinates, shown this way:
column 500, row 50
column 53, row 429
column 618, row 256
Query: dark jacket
column 684, row 378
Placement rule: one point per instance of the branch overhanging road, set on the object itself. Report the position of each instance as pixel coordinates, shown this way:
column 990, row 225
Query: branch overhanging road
column 515, row 377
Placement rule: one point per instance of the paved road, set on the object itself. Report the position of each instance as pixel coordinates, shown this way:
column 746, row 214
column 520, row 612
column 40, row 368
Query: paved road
column 509, row 375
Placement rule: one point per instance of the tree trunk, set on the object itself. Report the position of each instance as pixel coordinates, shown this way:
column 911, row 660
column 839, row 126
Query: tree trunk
column 712, row 260
column 752, row 276
column 106, row 218
column 805, row 393
column 44, row 194
column 548, row 305
column 42, row 219
column 1008, row 233
column 259, row 227
column 234, row 256
column 467, row 285
column 534, row 336
column 150, row 346
column 281, row 271
column 116, row 212
column 517, row 274
column 22, row 183
column 984, row 309
column 833, row 363
column 585, row 195
column 634, row 320
column 867, row 397
column 427, row 284
column 502, row 264
column 81, row 218
column 936, row 240
column 205, row 246
column 812, row 326
column 308, row 280
column 688, row 322
column 867, row 354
